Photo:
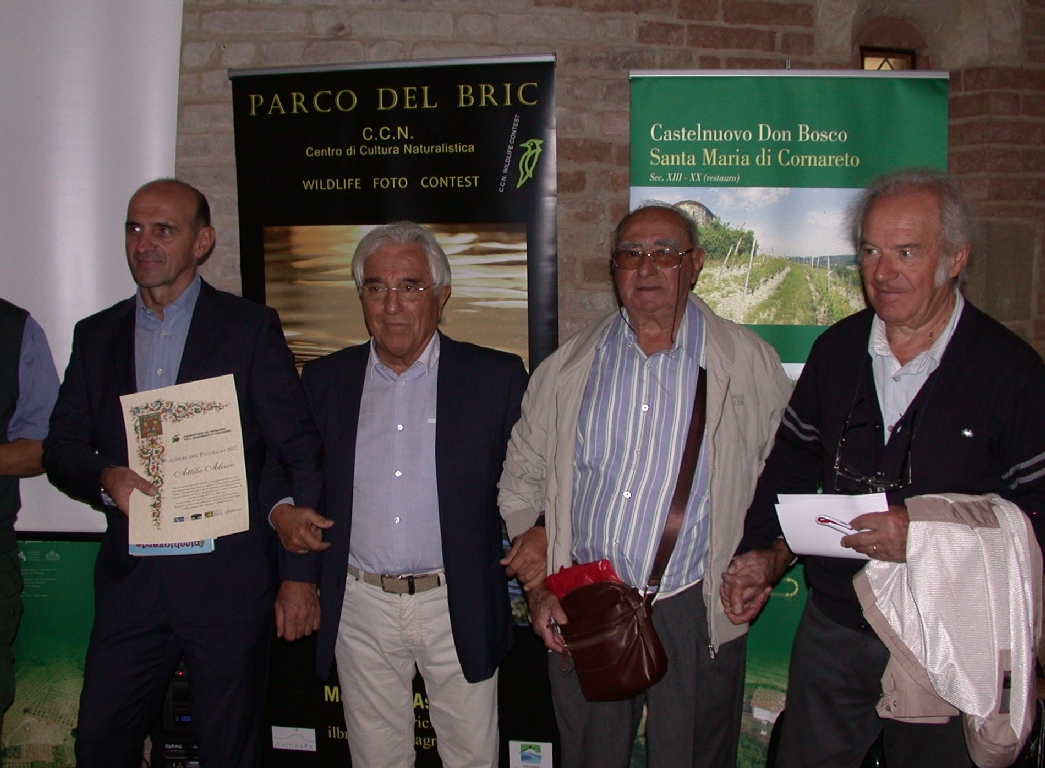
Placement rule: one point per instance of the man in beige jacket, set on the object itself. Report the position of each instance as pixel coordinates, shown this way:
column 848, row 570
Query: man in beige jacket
column 595, row 458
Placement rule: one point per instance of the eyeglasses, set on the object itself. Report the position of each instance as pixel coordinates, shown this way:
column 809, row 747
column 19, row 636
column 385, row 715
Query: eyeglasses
column 876, row 482
column 407, row 291
column 668, row 258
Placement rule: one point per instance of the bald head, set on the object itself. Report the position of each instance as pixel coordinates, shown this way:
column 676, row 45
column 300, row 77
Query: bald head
column 199, row 203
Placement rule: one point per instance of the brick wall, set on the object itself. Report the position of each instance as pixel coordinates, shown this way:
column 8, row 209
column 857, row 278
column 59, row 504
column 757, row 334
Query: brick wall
column 998, row 113
column 997, row 147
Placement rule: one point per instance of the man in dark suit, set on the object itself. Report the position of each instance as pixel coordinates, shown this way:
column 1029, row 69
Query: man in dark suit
column 214, row 609
column 414, row 427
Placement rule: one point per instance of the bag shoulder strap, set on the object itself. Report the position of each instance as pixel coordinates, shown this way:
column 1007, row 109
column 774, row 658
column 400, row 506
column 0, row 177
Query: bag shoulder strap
column 683, row 484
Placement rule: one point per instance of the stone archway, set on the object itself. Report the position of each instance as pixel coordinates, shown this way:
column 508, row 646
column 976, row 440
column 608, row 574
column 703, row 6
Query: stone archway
column 959, row 33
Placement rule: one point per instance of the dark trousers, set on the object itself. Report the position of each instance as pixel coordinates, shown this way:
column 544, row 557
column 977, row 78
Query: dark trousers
column 834, row 684
column 130, row 661
column 10, row 614
column 693, row 714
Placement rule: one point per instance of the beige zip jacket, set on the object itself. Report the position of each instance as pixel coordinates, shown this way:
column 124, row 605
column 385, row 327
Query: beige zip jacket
column 747, row 393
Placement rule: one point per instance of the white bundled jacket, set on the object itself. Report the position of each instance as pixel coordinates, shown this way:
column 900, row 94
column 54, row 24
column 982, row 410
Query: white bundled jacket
column 961, row 616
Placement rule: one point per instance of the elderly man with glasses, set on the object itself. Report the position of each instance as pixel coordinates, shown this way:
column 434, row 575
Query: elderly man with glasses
column 595, row 458
column 406, row 554
column 921, row 393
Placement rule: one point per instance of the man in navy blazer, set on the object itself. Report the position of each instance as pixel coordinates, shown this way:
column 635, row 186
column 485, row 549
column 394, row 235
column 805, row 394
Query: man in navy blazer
column 414, row 428
column 215, row 609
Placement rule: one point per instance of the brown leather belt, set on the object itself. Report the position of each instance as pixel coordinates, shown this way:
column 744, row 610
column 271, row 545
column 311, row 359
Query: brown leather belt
column 398, row 585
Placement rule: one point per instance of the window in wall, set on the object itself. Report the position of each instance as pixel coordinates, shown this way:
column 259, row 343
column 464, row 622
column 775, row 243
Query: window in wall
column 887, row 59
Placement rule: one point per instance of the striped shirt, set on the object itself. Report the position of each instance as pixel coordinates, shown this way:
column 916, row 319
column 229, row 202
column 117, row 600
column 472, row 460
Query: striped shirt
column 631, row 433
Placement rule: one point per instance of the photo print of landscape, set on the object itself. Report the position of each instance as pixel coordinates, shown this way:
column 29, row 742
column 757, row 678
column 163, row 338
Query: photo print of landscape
column 773, row 255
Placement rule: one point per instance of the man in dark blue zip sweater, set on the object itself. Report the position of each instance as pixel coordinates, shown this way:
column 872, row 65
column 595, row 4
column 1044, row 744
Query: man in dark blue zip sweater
column 920, row 393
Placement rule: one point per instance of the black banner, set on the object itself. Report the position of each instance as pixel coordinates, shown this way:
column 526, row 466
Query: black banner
column 305, row 724
column 465, row 146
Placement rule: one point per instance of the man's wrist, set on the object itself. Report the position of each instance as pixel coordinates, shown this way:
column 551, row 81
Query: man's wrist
column 287, row 500
column 106, row 498
column 538, row 523
column 785, row 558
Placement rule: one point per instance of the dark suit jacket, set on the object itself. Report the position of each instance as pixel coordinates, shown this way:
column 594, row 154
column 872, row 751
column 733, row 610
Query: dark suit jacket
column 478, row 398
column 228, row 334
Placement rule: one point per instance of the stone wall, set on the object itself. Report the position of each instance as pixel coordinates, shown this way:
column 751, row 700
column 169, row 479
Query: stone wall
column 995, row 50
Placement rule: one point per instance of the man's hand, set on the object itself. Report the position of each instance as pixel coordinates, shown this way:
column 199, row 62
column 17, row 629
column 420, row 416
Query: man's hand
column 21, row 457
column 883, row 535
column 545, row 614
column 297, row 610
column 528, row 558
column 118, row 482
column 749, row 580
column 300, row 529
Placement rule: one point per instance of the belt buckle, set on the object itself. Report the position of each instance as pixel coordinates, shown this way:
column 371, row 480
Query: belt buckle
column 409, row 580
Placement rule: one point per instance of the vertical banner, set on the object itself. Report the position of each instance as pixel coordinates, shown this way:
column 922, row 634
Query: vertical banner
column 323, row 155
column 58, row 610
column 464, row 146
column 767, row 163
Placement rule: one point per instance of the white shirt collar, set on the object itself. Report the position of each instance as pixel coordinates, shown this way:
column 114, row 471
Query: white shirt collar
column 927, row 361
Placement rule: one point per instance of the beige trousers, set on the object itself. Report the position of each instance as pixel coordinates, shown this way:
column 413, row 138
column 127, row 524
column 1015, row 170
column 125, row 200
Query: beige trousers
column 380, row 639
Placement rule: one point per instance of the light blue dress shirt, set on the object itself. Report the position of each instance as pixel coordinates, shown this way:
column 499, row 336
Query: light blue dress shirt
column 395, row 500
column 159, row 344
column 158, row 347
column 37, row 386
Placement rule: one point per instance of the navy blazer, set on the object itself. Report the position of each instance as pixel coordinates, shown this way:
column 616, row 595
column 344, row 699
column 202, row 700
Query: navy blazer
column 478, row 398
column 228, row 334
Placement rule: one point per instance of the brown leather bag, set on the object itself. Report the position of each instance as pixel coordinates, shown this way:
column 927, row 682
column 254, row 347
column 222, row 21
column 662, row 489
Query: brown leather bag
column 610, row 635
column 609, row 629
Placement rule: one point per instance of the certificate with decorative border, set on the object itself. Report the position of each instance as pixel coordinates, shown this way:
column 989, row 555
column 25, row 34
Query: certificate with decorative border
column 186, row 440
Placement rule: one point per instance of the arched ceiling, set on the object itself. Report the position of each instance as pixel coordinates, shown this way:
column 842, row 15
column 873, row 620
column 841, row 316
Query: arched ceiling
column 960, row 33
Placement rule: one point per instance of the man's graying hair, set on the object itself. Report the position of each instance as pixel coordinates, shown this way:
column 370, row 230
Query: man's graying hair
column 956, row 222
column 402, row 233
column 685, row 220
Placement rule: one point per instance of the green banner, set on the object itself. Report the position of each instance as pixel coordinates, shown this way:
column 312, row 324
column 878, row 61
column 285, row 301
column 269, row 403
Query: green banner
column 58, row 602
column 767, row 163
column 786, row 130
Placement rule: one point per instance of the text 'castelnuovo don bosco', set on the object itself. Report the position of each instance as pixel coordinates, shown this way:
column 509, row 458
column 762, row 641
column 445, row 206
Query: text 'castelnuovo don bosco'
column 820, row 146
